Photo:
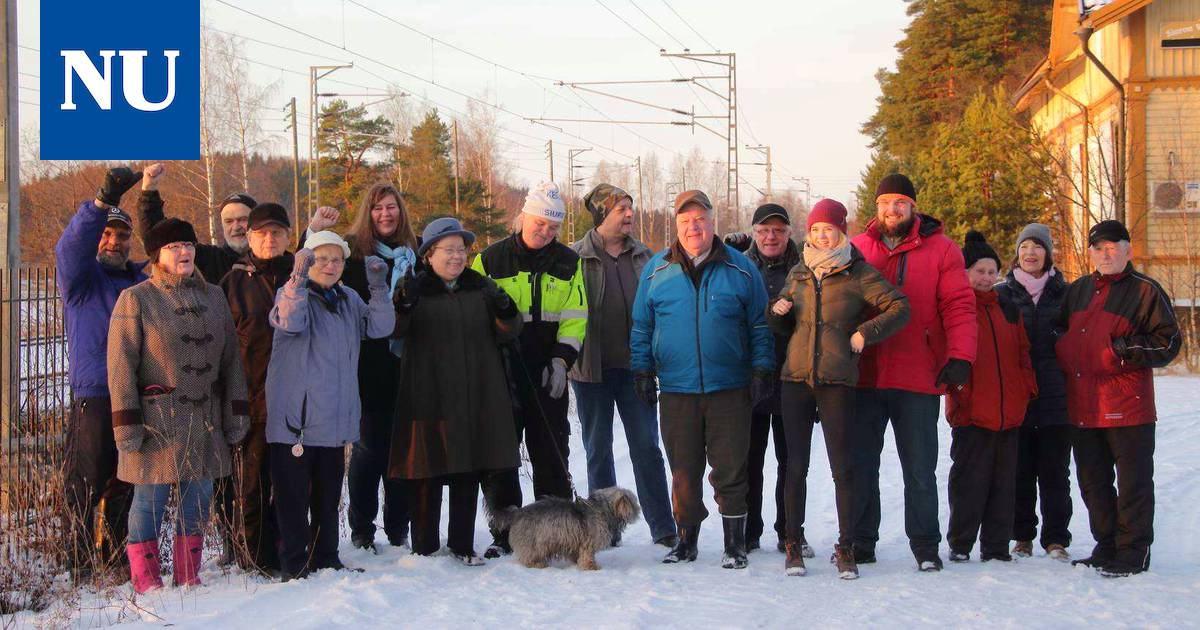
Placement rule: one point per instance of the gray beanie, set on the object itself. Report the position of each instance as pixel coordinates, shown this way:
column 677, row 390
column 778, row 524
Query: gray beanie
column 1037, row 232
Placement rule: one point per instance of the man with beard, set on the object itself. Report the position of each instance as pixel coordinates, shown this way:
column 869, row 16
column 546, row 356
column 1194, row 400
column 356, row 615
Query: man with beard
column 92, row 256
column 902, row 378
column 250, row 288
column 214, row 261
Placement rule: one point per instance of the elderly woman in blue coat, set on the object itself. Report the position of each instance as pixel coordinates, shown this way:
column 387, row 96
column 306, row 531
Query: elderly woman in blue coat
column 313, row 406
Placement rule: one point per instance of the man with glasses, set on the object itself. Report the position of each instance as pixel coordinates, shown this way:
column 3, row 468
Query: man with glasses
column 250, row 286
column 92, row 257
column 902, row 378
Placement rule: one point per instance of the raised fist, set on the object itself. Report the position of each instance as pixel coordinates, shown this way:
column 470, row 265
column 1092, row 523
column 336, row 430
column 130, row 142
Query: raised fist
column 151, row 176
column 324, row 218
column 304, row 260
column 376, row 271
column 116, row 182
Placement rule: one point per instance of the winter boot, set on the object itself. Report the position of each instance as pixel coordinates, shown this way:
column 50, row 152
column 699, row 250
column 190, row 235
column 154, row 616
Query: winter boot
column 928, row 561
column 188, row 550
column 1057, row 552
column 735, row 542
column 667, row 541
column 806, row 549
column 1023, row 549
column 143, row 566
column 499, row 546
column 364, row 543
column 959, row 556
column 794, row 563
column 1002, row 556
column 1100, row 557
column 752, row 545
column 685, row 545
column 862, row 555
column 781, row 546
column 470, row 558
column 846, row 567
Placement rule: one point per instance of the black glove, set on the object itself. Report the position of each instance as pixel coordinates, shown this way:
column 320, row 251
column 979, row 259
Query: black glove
column 404, row 300
column 645, row 387
column 499, row 301
column 955, row 372
column 116, row 182
column 740, row 241
column 762, row 383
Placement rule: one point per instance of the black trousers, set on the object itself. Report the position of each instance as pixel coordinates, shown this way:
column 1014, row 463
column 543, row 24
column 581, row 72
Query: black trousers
column 982, row 486
column 368, row 468
column 547, row 433
column 1121, row 517
column 307, row 490
column 501, row 490
column 254, row 508
column 761, row 428
column 425, row 497
column 802, row 405
column 1044, row 465
column 90, row 477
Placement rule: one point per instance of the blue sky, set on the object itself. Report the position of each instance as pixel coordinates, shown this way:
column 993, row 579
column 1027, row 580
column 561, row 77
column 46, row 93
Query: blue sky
column 805, row 69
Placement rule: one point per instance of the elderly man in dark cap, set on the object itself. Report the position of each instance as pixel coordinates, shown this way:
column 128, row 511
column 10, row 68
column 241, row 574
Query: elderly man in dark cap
column 1115, row 326
column 612, row 261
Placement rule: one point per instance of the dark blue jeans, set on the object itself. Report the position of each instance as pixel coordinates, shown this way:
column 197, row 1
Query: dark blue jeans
column 595, row 402
column 914, row 419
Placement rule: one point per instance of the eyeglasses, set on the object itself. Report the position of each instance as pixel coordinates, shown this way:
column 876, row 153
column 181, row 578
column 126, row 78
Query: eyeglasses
column 178, row 247
column 325, row 261
column 773, row 231
column 452, row 251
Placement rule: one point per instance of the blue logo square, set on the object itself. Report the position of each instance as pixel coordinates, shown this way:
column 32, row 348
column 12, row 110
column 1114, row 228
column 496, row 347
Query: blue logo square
column 120, row 82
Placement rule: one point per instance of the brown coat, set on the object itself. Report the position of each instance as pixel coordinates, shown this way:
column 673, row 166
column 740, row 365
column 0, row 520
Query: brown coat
column 826, row 314
column 453, row 409
column 175, row 333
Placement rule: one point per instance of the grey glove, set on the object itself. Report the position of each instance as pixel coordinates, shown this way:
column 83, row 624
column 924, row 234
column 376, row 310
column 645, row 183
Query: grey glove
column 377, row 272
column 554, row 377
column 304, row 260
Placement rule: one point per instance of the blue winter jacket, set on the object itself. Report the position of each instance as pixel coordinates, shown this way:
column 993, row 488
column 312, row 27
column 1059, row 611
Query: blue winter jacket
column 312, row 378
column 89, row 290
column 701, row 340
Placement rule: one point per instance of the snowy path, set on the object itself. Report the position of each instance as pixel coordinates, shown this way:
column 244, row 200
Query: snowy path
column 633, row 589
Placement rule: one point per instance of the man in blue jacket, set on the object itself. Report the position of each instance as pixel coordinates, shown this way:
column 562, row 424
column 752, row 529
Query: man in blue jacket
column 93, row 268
column 699, row 325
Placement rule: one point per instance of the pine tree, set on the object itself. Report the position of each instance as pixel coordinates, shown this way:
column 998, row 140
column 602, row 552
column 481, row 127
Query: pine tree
column 882, row 164
column 349, row 137
column 428, row 175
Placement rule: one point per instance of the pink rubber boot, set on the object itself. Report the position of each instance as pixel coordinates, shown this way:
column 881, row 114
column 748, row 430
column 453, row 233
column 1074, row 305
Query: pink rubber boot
column 144, row 566
column 187, row 560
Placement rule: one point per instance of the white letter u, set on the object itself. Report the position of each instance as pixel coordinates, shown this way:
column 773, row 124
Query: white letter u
column 134, row 86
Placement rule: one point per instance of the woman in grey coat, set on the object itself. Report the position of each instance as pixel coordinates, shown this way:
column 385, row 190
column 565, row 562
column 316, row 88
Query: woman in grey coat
column 313, row 406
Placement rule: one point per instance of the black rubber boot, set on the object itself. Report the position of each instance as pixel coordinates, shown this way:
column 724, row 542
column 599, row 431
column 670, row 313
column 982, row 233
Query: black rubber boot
column 735, row 542
column 685, row 546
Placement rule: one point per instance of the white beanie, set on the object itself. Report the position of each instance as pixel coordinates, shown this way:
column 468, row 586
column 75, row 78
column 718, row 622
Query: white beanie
column 544, row 202
column 325, row 237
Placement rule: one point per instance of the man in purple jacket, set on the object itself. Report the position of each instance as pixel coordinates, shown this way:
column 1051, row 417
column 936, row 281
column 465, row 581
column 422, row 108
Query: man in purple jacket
column 93, row 268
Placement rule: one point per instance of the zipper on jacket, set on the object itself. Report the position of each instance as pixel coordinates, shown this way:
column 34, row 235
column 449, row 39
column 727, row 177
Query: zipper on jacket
column 700, row 291
column 535, row 296
column 816, row 329
column 999, row 372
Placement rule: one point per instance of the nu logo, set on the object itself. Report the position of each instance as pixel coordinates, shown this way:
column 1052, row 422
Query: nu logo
column 120, row 85
column 76, row 62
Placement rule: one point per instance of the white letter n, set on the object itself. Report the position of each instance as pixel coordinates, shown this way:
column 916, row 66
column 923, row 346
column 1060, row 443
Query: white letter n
column 99, row 85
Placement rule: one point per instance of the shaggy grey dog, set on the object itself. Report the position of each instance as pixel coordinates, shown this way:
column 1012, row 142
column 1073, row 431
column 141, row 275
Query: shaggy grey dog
column 575, row 530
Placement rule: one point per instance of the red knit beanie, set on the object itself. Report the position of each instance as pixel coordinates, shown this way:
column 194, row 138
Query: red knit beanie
column 828, row 211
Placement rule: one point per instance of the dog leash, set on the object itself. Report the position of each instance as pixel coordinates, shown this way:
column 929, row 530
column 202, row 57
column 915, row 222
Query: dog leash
column 546, row 421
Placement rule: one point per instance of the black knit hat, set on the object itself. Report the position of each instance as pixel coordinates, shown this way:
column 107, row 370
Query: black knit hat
column 166, row 232
column 896, row 184
column 242, row 198
column 768, row 210
column 1110, row 230
column 976, row 248
column 602, row 199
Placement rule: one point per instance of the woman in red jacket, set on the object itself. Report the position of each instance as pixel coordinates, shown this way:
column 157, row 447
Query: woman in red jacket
column 985, row 414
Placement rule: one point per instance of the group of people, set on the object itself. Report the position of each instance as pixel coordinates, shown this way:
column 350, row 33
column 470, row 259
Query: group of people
column 237, row 375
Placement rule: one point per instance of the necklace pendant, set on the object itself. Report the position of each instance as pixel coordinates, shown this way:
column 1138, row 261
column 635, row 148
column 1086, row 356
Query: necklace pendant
column 297, row 450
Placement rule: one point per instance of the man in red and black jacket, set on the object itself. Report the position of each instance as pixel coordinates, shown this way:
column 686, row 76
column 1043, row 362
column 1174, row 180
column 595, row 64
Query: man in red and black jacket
column 1115, row 326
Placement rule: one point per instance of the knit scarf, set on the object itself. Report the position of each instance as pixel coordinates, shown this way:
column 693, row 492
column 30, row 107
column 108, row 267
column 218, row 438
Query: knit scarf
column 822, row 262
column 403, row 258
column 1033, row 285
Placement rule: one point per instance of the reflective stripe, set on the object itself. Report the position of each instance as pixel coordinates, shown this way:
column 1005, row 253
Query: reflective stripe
column 575, row 343
column 526, row 317
column 573, row 314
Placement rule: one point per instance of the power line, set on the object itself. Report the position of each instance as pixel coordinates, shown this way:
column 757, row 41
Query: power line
column 660, row 26
column 687, row 24
column 631, row 27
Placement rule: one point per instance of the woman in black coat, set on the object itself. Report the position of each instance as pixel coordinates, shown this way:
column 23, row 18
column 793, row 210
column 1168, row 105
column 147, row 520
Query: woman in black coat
column 1044, row 447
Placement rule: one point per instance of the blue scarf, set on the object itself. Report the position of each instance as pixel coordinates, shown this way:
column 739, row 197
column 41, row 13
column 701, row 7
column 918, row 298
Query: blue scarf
column 403, row 259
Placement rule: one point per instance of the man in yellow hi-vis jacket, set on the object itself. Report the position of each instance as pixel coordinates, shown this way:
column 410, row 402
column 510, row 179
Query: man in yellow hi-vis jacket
column 545, row 280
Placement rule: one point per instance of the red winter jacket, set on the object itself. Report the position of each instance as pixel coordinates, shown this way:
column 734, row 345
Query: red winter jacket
column 1002, row 378
column 928, row 267
column 1111, row 331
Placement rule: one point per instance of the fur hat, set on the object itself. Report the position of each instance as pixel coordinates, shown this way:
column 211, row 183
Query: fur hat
column 976, row 248
column 325, row 237
column 166, row 232
column 602, row 199
column 543, row 201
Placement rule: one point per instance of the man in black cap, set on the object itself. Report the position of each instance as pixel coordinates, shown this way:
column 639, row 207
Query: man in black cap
column 612, row 261
column 771, row 248
column 250, row 286
column 213, row 261
column 92, row 258
column 1115, row 326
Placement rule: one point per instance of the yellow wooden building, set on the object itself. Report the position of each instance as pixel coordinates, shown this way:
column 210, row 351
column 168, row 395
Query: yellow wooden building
column 1138, row 90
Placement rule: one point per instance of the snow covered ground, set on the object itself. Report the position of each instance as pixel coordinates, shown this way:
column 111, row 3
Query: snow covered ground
column 634, row 589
